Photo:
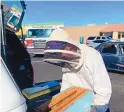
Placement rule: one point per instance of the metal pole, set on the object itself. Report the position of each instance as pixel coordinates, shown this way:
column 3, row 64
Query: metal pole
column 23, row 39
column 3, row 33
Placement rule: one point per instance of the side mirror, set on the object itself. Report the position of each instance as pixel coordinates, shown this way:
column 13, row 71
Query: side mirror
column 81, row 40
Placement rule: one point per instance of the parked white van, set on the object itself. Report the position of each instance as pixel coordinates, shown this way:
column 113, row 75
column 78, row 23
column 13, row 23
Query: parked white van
column 11, row 98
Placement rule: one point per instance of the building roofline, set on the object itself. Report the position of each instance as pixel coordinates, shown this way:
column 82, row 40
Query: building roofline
column 43, row 24
column 96, row 25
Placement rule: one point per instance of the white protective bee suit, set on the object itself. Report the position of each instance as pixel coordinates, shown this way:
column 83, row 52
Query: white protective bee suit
column 89, row 72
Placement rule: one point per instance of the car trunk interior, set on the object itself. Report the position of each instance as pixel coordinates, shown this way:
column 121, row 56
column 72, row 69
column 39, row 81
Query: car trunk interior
column 18, row 61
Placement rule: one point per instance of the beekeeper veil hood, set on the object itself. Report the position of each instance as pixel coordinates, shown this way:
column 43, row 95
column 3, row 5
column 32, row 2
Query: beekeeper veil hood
column 61, row 50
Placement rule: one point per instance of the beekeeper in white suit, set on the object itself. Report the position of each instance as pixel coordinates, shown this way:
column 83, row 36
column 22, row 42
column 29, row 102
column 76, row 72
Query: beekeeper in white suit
column 82, row 66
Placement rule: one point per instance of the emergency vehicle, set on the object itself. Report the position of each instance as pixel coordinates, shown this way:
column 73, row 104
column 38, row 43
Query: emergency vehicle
column 12, row 17
column 37, row 36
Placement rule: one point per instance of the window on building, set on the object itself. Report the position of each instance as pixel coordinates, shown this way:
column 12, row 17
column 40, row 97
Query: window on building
column 120, row 35
column 109, row 49
column 123, row 34
column 108, row 34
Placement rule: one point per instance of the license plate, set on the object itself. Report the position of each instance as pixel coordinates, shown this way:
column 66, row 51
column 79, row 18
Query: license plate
column 39, row 45
column 35, row 50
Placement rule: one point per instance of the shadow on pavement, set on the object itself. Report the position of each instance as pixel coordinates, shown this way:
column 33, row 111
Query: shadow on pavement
column 117, row 72
column 36, row 55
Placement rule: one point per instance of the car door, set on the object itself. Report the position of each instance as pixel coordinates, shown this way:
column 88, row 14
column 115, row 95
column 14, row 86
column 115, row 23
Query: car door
column 120, row 63
column 11, row 97
column 110, row 55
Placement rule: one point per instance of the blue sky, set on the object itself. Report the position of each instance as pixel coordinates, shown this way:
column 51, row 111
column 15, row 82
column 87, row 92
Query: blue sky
column 74, row 13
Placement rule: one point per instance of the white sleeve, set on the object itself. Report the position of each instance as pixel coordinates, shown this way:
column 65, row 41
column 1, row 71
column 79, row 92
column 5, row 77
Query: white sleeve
column 101, row 80
column 65, row 83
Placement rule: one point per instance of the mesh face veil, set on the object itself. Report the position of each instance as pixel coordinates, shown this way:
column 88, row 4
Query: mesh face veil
column 61, row 53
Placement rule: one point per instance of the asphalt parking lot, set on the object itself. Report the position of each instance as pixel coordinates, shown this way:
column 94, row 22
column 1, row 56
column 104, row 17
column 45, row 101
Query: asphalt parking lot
column 45, row 72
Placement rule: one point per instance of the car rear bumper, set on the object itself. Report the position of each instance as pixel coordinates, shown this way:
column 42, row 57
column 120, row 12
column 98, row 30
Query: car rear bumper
column 35, row 51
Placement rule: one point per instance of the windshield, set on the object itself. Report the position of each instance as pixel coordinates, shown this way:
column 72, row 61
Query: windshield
column 91, row 38
column 109, row 37
column 14, row 20
column 39, row 33
column 13, row 13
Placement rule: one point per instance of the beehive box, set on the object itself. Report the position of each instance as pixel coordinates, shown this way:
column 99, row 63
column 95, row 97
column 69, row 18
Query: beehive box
column 40, row 94
column 40, row 90
column 74, row 99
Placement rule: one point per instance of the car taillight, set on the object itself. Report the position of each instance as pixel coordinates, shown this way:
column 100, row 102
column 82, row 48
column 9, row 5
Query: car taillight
column 29, row 42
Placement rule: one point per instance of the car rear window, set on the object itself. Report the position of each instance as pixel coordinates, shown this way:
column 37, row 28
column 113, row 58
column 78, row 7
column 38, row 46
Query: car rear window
column 91, row 38
column 103, row 37
column 98, row 37
column 109, row 49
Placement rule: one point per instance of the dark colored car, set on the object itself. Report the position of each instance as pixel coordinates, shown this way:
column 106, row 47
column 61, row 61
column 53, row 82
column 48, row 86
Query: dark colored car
column 113, row 55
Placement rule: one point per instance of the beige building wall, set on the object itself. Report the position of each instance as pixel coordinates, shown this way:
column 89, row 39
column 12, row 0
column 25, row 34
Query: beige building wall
column 115, row 35
column 85, row 31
